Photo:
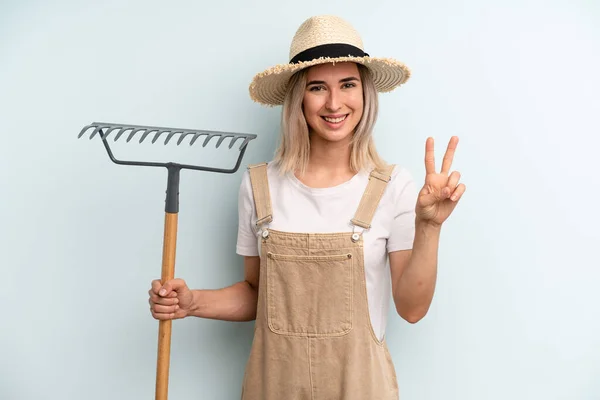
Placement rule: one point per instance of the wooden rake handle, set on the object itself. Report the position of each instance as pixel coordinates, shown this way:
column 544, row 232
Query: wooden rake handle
column 168, row 273
column 164, row 326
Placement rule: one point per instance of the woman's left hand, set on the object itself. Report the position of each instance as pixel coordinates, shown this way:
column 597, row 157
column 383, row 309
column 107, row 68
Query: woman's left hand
column 441, row 192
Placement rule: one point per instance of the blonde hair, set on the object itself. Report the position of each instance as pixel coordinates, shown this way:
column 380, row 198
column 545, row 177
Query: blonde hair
column 293, row 151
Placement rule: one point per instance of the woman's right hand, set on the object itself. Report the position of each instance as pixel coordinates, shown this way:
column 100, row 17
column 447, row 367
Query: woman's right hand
column 173, row 300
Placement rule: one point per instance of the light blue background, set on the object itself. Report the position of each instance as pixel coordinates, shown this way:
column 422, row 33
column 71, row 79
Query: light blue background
column 516, row 311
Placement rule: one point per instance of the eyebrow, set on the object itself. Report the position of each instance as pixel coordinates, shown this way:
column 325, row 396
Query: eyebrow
column 349, row 79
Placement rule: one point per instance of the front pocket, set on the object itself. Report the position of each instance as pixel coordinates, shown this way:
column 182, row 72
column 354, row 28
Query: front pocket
column 309, row 295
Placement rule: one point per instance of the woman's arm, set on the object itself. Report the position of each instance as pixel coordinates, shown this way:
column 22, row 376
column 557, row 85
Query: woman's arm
column 414, row 273
column 237, row 302
column 233, row 303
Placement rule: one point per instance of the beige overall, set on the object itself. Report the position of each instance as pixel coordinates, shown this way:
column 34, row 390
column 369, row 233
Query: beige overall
column 313, row 338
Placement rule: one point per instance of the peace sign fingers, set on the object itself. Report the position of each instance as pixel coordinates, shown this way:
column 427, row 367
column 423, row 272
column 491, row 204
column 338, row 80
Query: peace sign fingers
column 448, row 157
column 441, row 191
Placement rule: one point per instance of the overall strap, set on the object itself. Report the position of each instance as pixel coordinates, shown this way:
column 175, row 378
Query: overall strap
column 261, row 193
column 378, row 181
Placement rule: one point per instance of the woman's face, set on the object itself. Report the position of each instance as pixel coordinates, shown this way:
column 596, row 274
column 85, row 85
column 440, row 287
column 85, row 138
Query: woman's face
column 333, row 100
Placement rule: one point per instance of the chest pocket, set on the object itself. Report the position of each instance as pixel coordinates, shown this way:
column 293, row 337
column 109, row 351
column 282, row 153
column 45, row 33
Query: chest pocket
column 310, row 295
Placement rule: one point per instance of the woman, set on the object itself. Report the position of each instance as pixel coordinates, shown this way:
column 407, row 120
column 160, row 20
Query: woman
column 316, row 228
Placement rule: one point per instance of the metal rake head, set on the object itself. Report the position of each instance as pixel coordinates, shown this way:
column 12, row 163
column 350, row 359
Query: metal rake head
column 103, row 130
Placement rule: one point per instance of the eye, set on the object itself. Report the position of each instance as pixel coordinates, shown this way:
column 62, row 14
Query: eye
column 349, row 85
column 316, row 88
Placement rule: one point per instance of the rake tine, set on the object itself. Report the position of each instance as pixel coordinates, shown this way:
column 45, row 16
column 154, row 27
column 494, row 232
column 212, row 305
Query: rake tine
column 121, row 132
column 158, row 133
column 98, row 127
column 133, row 132
column 223, row 137
column 244, row 143
column 183, row 137
column 146, row 134
column 208, row 139
column 103, row 131
column 171, row 135
column 105, row 135
column 85, row 128
column 196, row 136
column 235, row 140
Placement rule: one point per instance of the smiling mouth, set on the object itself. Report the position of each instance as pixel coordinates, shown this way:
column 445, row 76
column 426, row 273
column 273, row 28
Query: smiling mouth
column 335, row 120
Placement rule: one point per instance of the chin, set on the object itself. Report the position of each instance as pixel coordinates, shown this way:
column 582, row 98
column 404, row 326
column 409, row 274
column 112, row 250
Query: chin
column 335, row 136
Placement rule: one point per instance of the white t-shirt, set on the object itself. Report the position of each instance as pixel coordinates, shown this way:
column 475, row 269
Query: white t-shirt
column 299, row 208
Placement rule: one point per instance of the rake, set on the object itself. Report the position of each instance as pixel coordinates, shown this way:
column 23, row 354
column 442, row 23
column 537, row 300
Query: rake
column 103, row 130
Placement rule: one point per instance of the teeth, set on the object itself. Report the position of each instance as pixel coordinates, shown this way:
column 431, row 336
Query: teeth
column 335, row 120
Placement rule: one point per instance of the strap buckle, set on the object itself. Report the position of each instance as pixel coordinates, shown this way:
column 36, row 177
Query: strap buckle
column 360, row 223
column 380, row 176
column 265, row 220
column 250, row 166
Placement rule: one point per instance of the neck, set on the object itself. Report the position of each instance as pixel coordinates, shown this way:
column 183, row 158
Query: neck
column 331, row 156
column 329, row 163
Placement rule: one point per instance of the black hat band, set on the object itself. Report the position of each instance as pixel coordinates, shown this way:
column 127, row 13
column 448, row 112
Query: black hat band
column 334, row 50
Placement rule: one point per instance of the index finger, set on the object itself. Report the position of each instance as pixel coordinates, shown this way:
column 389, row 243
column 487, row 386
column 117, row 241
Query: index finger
column 156, row 285
column 429, row 156
column 449, row 156
column 171, row 286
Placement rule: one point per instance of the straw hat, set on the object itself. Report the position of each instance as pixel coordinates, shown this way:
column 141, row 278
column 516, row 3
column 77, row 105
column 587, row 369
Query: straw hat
column 323, row 39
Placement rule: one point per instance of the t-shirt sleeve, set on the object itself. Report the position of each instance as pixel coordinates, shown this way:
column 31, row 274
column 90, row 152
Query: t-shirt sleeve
column 247, row 244
column 402, row 231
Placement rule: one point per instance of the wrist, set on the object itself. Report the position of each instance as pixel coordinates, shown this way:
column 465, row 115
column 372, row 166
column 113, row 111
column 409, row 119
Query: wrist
column 427, row 225
column 194, row 306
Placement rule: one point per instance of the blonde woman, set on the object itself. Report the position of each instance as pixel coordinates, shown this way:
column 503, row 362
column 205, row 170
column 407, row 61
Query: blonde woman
column 330, row 233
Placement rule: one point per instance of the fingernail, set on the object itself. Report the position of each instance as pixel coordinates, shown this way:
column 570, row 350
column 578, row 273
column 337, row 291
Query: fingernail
column 162, row 292
column 454, row 197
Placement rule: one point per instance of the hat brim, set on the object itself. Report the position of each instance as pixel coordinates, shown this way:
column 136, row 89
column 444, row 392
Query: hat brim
column 269, row 87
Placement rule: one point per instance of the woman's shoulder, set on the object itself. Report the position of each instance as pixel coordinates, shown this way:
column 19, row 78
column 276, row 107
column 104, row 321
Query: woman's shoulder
column 401, row 184
column 403, row 188
column 273, row 174
column 401, row 174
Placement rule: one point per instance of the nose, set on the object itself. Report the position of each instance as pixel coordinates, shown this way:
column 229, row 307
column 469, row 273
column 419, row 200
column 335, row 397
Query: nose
column 333, row 100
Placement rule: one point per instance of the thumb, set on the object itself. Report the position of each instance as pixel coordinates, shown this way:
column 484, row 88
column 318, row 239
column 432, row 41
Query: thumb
column 428, row 197
column 173, row 285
